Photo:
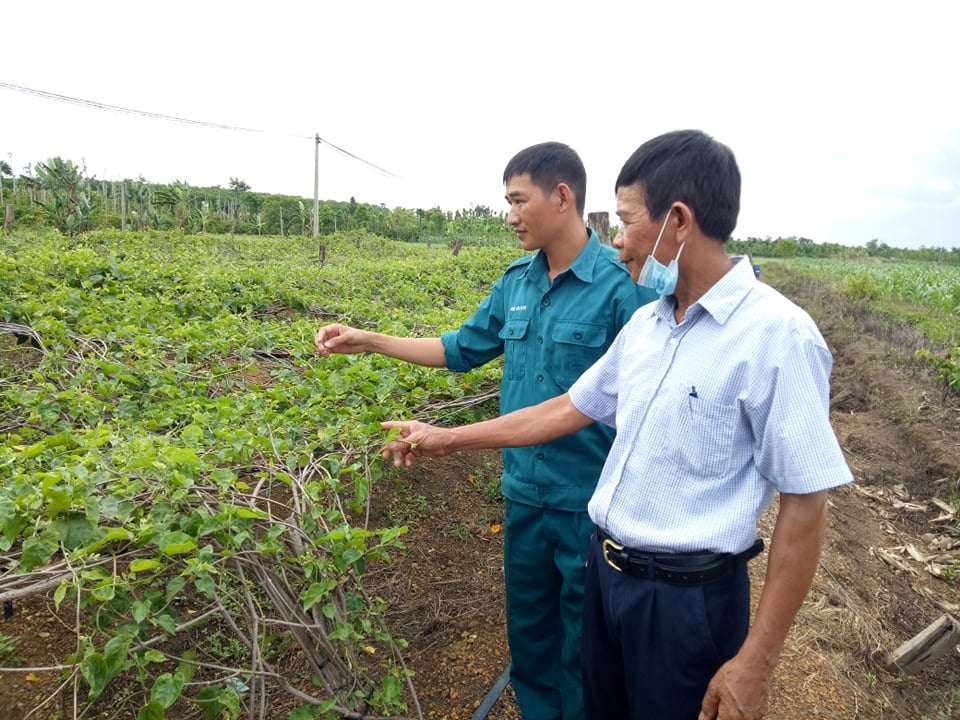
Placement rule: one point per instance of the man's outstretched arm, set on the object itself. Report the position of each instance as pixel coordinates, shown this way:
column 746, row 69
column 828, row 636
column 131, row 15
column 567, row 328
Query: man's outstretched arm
column 533, row 425
column 345, row 340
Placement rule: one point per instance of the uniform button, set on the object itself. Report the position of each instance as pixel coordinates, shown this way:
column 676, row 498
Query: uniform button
column 578, row 335
column 546, row 301
column 540, row 456
column 539, row 378
column 509, row 332
column 540, row 340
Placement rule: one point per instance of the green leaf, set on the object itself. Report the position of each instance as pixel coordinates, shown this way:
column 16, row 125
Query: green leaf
column 115, row 653
column 192, row 434
column 341, row 632
column 314, row 594
column 174, row 587
column 104, row 593
column 177, row 543
column 154, row 656
column 57, row 501
column 209, row 701
column 392, row 689
column 60, row 593
column 304, row 712
column 143, row 565
column 140, row 610
column 185, row 457
column 167, row 623
column 205, row 584
column 186, row 670
column 231, row 701
column 166, row 689
column 151, row 711
column 94, row 671
column 8, row 511
column 36, row 552
column 75, row 530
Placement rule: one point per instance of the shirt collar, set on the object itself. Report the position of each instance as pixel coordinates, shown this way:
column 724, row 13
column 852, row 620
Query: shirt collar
column 721, row 299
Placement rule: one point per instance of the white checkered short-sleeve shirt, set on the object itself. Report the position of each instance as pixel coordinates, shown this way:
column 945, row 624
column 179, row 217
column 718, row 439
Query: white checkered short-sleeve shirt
column 713, row 416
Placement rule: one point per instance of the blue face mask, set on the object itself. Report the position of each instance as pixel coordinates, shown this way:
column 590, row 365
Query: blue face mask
column 654, row 274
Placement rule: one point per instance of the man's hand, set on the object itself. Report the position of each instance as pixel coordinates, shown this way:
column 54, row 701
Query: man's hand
column 341, row 339
column 736, row 692
column 416, row 439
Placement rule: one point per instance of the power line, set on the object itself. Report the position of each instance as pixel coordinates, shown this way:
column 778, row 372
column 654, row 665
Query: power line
column 172, row 118
column 115, row 108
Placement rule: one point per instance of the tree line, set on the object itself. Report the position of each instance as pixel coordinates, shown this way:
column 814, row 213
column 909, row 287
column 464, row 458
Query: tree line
column 59, row 193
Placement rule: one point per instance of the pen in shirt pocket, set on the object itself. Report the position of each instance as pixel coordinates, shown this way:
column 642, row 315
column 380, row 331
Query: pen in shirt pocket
column 692, row 396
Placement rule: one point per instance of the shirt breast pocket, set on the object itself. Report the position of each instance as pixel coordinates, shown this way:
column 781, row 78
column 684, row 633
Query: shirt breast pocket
column 576, row 346
column 704, row 432
column 514, row 336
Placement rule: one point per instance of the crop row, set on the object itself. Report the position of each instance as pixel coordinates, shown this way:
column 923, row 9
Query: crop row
column 924, row 294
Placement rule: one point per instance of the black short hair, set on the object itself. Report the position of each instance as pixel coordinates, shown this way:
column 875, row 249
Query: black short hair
column 692, row 167
column 549, row 164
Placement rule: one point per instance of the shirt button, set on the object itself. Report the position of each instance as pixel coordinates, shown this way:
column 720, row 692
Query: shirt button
column 539, row 378
column 546, row 301
column 673, row 341
column 578, row 335
column 540, row 340
column 540, row 456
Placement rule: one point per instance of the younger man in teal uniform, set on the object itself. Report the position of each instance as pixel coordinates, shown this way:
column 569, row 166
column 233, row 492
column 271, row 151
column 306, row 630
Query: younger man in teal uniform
column 551, row 315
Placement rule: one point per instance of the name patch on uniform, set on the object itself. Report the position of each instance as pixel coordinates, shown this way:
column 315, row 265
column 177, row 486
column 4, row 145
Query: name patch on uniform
column 518, row 308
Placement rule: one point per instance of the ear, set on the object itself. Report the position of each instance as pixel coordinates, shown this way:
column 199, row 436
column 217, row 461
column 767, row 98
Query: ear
column 686, row 221
column 564, row 197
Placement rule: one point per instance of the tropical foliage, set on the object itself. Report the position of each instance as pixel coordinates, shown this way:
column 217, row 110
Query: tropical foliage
column 75, row 203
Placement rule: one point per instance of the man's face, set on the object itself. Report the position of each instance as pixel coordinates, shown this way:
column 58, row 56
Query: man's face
column 533, row 214
column 638, row 231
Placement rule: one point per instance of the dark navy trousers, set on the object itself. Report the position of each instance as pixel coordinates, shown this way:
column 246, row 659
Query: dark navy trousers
column 650, row 648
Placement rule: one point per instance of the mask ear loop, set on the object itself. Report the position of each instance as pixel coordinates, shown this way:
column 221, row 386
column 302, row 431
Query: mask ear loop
column 660, row 235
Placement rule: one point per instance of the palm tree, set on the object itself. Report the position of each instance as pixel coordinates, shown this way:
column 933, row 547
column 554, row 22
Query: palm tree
column 69, row 206
column 181, row 198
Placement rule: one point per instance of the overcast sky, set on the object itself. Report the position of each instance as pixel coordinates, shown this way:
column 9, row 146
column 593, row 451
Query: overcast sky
column 844, row 116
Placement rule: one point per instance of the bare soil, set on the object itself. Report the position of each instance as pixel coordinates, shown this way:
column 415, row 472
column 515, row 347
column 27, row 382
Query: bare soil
column 889, row 566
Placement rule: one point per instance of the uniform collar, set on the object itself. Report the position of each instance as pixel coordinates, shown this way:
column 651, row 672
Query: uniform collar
column 583, row 265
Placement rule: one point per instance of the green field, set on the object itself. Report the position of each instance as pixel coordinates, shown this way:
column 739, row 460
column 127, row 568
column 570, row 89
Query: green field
column 173, row 449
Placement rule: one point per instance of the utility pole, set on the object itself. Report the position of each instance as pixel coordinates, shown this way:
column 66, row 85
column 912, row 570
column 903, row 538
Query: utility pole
column 316, row 186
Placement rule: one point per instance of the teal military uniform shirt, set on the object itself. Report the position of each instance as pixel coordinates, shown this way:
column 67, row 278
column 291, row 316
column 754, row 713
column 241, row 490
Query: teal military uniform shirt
column 548, row 334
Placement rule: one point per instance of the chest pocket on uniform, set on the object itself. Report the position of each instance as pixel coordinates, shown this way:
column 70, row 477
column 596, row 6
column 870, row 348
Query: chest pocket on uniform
column 514, row 336
column 576, row 346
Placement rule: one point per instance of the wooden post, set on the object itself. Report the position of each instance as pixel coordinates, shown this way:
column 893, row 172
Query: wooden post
column 932, row 643
column 600, row 222
column 316, row 186
column 123, row 206
column 8, row 218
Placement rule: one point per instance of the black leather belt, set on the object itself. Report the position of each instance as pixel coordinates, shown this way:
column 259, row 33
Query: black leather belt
column 679, row 568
